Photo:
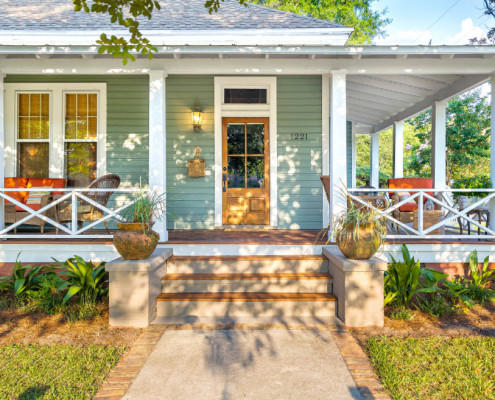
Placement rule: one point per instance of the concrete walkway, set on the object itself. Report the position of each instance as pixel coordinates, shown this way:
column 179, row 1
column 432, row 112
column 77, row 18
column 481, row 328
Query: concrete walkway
column 244, row 364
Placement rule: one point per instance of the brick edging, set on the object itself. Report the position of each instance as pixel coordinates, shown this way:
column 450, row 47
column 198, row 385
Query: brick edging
column 367, row 381
column 120, row 378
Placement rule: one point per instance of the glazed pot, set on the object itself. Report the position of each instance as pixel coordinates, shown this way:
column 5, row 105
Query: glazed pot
column 360, row 245
column 133, row 242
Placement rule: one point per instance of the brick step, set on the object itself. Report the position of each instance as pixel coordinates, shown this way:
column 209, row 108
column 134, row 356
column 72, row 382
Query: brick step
column 254, row 304
column 302, row 282
column 246, row 264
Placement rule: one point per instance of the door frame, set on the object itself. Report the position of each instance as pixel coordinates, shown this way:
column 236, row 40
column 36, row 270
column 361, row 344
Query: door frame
column 268, row 110
column 246, row 120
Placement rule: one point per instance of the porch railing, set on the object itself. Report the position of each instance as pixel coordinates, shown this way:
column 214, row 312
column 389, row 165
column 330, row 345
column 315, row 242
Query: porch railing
column 451, row 223
column 71, row 199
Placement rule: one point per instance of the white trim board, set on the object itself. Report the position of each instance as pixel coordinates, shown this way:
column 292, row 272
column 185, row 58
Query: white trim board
column 246, row 110
column 57, row 113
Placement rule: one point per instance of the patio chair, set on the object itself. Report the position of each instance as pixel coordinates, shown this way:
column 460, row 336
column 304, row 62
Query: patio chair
column 86, row 212
column 377, row 201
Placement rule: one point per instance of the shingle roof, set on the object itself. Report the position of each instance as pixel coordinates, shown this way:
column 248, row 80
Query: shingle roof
column 174, row 15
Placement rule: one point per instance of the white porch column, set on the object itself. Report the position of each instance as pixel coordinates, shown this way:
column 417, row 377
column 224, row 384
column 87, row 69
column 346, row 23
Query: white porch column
column 2, row 148
column 399, row 149
column 353, row 156
column 438, row 144
column 157, row 142
column 492, row 152
column 375, row 160
column 338, row 142
column 325, row 143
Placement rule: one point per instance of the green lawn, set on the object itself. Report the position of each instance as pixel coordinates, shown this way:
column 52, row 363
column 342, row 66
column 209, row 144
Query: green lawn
column 54, row 372
column 435, row 368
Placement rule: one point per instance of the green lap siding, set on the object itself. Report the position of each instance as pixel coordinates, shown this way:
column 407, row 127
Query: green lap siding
column 127, row 120
column 299, row 161
column 190, row 200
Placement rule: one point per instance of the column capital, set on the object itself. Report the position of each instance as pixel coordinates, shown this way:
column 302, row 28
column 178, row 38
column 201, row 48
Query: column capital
column 157, row 73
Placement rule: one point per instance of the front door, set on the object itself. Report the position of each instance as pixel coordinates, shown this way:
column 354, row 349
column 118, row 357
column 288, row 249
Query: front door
column 245, row 171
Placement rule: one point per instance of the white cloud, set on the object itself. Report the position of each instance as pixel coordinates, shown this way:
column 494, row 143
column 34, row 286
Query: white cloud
column 468, row 31
column 414, row 37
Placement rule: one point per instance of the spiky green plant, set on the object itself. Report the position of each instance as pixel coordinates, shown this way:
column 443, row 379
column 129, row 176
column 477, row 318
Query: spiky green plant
column 23, row 280
column 146, row 206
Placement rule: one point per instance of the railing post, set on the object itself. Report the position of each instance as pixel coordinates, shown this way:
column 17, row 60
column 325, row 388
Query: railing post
column 73, row 223
column 2, row 151
column 420, row 214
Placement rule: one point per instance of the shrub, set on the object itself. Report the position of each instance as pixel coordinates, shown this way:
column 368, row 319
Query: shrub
column 402, row 280
column 48, row 298
column 84, row 279
column 477, row 182
column 23, row 281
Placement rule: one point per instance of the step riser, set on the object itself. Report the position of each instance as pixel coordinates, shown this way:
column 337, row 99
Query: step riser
column 245, row 266
column 248, row 285
column 219, row 309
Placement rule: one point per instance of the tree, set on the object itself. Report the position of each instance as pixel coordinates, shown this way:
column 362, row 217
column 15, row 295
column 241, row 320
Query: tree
column 359, row 14
column 127, row 13
column 489, row 9
column 467, row 139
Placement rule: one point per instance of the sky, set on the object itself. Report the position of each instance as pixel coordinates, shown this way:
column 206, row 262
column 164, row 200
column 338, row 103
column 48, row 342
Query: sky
column 451, row 22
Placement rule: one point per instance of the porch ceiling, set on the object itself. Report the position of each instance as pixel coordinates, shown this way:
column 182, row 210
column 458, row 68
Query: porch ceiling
column 375, row 102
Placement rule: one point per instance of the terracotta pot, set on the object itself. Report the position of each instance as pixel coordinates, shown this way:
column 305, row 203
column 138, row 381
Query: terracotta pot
column 362, row 246
column 133, row 242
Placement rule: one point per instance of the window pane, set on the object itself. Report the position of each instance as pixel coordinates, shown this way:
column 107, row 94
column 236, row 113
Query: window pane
column 256, row 172
column 78, row 107
column 235, row 139
column 33, row 116
column 80, row 163
column 255, row 138
column 236, row 171
column 245, row 96
column 33, row 160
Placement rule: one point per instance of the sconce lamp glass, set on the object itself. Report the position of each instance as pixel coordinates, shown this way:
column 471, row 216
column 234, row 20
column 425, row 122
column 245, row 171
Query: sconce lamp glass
column 197, row 118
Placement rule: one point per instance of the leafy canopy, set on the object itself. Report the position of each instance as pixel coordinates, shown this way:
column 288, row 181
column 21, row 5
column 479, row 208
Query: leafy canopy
column 127, row 13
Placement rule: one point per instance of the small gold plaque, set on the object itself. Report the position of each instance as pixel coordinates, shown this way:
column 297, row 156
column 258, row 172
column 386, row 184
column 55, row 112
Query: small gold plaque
column 197, row 165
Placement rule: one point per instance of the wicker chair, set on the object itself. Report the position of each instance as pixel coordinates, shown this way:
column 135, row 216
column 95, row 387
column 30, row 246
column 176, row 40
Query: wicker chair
column 380, row 202
column 12, row 215
column 86, row 212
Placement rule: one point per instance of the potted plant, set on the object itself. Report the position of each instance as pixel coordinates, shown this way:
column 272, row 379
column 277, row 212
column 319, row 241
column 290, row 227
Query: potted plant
column 135, row 239
column 359, row 230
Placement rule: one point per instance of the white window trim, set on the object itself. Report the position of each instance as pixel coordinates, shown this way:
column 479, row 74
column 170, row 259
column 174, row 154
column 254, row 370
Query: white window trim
column 246, row 110
column 57, row 123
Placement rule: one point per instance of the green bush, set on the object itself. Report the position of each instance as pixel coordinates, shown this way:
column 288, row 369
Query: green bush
column 84, row 279
column 48, row 298
column 23, row 281
column 477, row 182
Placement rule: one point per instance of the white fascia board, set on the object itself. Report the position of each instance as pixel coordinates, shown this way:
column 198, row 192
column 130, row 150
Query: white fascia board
column 218, row 37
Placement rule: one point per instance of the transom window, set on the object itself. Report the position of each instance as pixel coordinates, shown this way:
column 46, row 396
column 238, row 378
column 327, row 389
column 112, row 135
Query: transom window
column 245, row 96
column 56, row 131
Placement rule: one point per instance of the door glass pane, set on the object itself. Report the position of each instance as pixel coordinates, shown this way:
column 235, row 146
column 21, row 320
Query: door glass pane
column 235, row 139
column 236, row 169
column 255, row 138
column 33, row 159
column 256, row 172
column 80, row 163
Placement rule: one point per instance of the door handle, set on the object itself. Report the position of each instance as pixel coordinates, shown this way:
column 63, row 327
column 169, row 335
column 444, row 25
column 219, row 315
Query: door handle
column 225, row 179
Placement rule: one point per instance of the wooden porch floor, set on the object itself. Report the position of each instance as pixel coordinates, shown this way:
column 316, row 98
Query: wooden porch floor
column 230, row 236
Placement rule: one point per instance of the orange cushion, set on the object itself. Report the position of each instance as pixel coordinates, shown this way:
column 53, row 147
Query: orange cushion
column 410, row 206
column 57, row 183
column 410, row 183
column 35, row 207
column 16, row 183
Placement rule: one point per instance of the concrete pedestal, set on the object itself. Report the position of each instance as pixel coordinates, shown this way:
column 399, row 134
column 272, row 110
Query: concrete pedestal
column 134, row 287
column 358, row 285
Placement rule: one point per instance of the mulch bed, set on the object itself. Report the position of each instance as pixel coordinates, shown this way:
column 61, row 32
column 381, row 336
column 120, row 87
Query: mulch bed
column 20, row 327
column 477, row 321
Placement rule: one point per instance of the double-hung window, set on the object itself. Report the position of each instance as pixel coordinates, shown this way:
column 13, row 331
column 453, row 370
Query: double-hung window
column 56, row 131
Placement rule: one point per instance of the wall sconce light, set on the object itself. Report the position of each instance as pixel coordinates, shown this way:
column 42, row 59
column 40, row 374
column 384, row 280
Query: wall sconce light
column 197, row 118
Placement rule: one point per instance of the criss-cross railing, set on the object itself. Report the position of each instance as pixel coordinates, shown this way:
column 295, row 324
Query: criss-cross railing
column 450, row 223
column 71, row 200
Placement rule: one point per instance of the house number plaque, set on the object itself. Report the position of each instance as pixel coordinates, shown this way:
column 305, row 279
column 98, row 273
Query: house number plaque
column 298, row 136
column 197, row 164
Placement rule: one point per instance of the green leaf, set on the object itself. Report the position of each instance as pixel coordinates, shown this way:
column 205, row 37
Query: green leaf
column 71, row 292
